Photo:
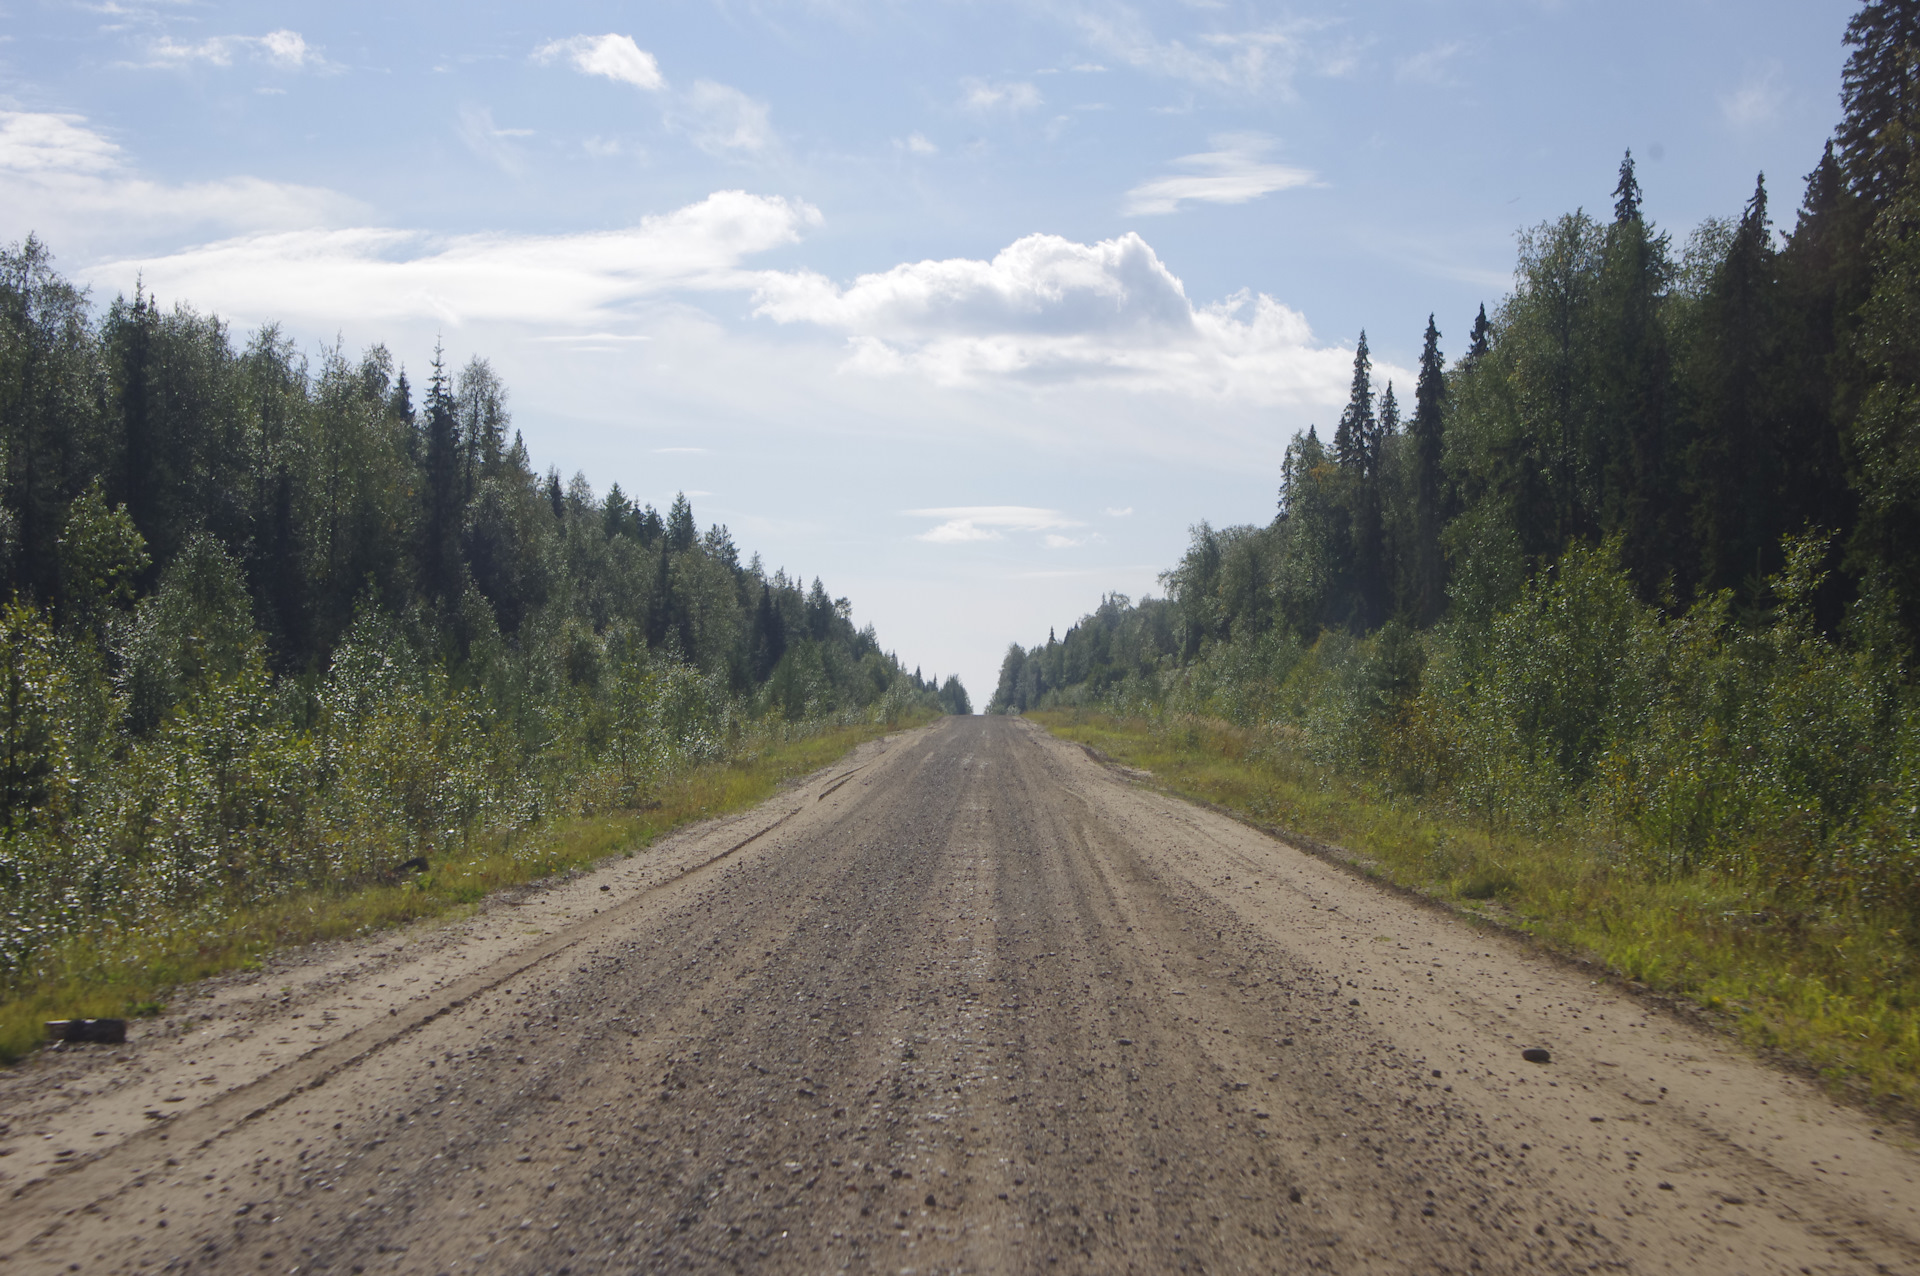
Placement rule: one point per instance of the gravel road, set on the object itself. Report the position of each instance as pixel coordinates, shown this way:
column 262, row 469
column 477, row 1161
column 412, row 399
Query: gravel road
column 968, row 1002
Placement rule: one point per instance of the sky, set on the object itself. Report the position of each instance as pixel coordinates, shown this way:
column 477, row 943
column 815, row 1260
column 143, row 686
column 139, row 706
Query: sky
column 971, row 309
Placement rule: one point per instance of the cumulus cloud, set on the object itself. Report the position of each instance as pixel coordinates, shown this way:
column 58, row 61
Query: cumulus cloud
column 963, row 523
column 616, row 57
column 1050, row 311
column 1010, row 97
column 60, row 177
column 562, row 280
column 286, row 50
column 1235, row 173
column 918, row 144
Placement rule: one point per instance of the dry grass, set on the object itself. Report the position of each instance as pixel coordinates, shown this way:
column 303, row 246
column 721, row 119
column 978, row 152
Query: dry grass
column 121, row 974
column 1837, row 994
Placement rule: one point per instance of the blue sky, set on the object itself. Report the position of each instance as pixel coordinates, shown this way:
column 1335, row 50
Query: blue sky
column 969, row 308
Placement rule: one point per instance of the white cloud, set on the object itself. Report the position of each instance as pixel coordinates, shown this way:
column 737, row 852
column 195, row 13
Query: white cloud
column 616, row 57
column 1011, row 97
column 287, row 50
column 1429, row 66
column 1050, row 311
column 722, row 118
column 65, row 180
column 1233, row 174
column 1255, row 61
column 33, row 143
column 490, row 142
column 919, row 145
column 1759, row 100
column 565, row 280
column 964, row 523
column 1124, row 512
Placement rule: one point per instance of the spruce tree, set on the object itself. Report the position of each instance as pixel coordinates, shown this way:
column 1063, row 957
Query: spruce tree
column 1479, row 339
column 1740, row 475
column 680, row 530
column 1626, row 193
column 1352, row 435
column 1879, row 93
column 442, row 490
column 1427, row 433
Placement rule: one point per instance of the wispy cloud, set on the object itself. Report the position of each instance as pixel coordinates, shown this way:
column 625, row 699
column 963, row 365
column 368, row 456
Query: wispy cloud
column 285, row 50
column 918, row 144
column 1758, row 100
column 1233, row 174
column 721, row 119
column 587, row 281
column 1012, row 97
column 1119, row 513
column 963, row 523
column 616, row 57
column 1258, row 60
column 1429, row 66
column 57, row 171
column 490, row 142
column 718, row 117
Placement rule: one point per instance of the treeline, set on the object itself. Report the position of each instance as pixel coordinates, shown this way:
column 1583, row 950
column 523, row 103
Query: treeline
column 1646, row 555
column 276, row 623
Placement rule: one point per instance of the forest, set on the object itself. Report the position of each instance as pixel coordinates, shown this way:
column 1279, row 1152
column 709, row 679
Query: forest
column 277, row 624
column 1640, row 565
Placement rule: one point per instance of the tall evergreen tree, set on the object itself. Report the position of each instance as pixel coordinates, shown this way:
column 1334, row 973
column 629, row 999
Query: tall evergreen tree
column 1356, row 426
column 1741, row 475
column 444, row 497
column 1630, row 448
column 1427, row 434
column 1479, row 339
column 1879, row 96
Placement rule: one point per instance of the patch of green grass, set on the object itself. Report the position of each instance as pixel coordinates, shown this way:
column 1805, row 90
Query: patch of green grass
column 1837, row 993
column 114, row 974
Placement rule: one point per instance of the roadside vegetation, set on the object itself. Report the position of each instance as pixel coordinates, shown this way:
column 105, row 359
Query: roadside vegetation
column 288, row 651
column 1615, row 631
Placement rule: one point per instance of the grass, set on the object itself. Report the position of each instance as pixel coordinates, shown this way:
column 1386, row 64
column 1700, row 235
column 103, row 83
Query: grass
column 116, row 974
column 1836, row 994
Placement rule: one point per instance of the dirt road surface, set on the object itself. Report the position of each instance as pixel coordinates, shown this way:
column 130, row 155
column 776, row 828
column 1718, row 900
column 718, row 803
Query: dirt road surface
column 969, row 1002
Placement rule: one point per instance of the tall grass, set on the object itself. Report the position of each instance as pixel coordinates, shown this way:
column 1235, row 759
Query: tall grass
column 1727, row 807
column 114, row 968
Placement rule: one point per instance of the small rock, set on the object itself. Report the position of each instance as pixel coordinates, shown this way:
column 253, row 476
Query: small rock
column 1293, row 1195
column 1665, row 1187
column 1534, row 1054
column 606, row 888
column 930, row 1201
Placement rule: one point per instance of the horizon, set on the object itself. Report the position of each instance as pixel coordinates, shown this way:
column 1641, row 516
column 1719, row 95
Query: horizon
column 969, row 313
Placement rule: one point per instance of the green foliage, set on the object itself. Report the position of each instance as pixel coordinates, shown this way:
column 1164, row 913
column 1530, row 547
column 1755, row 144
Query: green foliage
column 273, row 630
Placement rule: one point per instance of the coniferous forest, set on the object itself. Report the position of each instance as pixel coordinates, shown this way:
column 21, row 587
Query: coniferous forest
column 1640, row 564
column 278, row 624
